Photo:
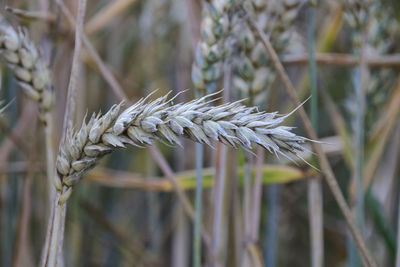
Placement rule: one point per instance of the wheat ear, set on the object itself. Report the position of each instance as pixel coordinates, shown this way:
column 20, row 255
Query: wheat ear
column 23, row 58
column 140, row 124
column 211, row 50
column 21, row 55
column 253, row 68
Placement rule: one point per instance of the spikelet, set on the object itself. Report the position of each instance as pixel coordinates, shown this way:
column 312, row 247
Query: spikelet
column 146, row 121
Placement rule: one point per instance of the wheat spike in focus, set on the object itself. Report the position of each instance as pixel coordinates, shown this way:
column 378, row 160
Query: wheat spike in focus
column 140, row 124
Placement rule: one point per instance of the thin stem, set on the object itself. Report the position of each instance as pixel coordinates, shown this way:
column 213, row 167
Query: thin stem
column 163, row 164
column 359, row 157
column 56, row 233
column 108, row 76
column 73, row 80
column 106, row 14
column 340, row 59
column 22, row 232
column 314, row 184
column 315, row 201
column 49, row 232
column 50, row 164
column 324, row 163
column 246, row 196
column 398, row 237
column 199, row 152
column 198, row 206
column 219, row 185
column 272, row 225
column 257, row 195
column 360, row 79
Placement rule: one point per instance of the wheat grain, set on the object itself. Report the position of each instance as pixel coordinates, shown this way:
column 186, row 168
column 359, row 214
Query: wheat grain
column 140, row 124
column 21, row 55
column 254, row 73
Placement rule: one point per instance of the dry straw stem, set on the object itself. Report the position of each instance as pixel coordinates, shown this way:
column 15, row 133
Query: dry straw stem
column 324, row 163
column 340, row 59
column 140, row 124
column 108, row 76
column 52, row 251
column 107, row 14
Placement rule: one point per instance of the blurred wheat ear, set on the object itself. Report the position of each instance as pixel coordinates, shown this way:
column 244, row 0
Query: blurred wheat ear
column 23, row 58
column 21, row 55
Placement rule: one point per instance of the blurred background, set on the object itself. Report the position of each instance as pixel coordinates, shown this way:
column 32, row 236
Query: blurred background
column 126, row 211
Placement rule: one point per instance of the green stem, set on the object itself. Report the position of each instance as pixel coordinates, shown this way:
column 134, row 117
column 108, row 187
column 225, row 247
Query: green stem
column 198, row 206
column 314, row 184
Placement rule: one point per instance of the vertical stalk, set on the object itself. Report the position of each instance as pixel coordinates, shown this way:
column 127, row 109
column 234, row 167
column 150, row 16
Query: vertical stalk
column 257, row 195
column 52, row 252
column 219, row 201
column 360, row 80
column 245, row 259
column 48, row 133
column 361, row 99
column 314, row 184
column 198, row 206
column 398, row 237
column 272, row 225
column 56, row 239
column 219, row 184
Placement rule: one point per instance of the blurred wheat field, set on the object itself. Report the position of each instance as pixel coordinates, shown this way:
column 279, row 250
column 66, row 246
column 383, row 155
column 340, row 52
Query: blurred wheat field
column 317, row 188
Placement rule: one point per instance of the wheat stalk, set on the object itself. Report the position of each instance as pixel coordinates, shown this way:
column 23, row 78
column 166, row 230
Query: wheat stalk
column 140, row 124
column 253, row 68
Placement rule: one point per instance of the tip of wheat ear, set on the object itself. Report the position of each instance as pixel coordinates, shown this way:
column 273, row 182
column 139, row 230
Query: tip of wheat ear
column 146, row 121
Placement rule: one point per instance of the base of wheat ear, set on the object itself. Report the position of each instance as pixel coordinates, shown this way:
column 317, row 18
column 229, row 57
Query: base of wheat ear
column 140, row 124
